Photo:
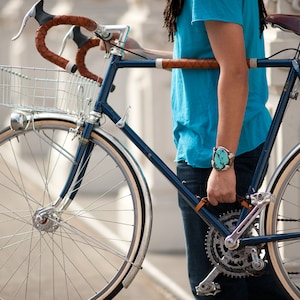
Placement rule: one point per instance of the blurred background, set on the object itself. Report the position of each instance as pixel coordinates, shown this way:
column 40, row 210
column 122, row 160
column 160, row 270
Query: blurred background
column 146, row 92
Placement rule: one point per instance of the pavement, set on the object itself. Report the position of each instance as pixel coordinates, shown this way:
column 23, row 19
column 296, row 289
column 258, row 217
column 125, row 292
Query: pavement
column 163, row 277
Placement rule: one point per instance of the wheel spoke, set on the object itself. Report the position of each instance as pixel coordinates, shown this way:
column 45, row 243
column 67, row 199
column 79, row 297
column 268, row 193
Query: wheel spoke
column 283, row 217
column 85, row 250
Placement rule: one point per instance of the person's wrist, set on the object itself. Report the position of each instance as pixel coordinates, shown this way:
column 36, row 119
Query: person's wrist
column 222, row 158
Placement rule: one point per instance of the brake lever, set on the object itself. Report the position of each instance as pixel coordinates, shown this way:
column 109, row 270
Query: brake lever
column 69, row 36
column 37, row 12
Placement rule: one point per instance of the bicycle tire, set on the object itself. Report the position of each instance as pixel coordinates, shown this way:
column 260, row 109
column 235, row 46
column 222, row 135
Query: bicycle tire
column 92, row 249
column 283, row 216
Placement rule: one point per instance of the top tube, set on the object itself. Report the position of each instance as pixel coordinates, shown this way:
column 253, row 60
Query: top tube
column 209, row 63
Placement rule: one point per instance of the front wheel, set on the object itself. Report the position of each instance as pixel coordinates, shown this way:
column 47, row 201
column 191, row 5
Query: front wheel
column 89, row 250
column 283, row 216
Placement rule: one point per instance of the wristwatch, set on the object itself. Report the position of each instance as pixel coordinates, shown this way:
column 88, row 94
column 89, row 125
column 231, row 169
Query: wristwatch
column 222, row 158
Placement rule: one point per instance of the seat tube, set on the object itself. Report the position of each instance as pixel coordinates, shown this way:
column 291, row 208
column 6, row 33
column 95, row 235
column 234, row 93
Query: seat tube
column 275, row 125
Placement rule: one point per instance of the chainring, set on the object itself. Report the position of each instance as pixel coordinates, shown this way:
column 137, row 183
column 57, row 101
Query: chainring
column 234, row 263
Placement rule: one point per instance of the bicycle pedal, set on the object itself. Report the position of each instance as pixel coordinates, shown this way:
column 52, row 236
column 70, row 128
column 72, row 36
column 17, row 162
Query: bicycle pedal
column 208, row 289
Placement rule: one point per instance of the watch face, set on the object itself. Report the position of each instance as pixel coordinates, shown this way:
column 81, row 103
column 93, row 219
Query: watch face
column 221, row 159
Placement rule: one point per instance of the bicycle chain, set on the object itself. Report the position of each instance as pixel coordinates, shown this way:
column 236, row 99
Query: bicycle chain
column 234, row 263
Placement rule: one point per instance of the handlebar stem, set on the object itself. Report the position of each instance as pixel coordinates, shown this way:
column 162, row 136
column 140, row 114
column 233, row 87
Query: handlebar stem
column 123, row 30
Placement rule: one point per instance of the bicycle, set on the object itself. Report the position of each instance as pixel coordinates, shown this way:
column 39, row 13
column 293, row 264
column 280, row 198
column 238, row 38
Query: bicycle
column 79, row 225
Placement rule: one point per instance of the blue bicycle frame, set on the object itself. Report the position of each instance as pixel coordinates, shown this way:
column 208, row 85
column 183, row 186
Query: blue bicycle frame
column 102, row 107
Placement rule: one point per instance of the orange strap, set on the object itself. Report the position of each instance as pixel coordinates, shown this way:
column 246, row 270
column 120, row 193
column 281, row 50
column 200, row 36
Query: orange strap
column 244, row 203
column 202, row 202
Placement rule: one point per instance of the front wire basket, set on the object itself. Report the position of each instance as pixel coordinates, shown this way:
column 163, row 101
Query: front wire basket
column 50, row 90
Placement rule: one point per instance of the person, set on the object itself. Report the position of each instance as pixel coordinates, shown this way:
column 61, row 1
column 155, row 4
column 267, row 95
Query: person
column 217, row 113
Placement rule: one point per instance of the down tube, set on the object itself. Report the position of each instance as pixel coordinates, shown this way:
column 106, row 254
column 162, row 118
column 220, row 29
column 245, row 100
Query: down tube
column 165, row 170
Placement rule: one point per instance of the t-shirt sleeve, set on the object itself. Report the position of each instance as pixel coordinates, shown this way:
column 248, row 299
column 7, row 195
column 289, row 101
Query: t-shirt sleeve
column 220, row 10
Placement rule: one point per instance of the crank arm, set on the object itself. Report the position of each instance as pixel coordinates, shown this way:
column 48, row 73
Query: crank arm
column 261, row 200
column 208, row 287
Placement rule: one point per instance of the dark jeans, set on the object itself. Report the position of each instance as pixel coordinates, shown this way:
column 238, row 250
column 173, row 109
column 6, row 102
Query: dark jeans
column 258, row 288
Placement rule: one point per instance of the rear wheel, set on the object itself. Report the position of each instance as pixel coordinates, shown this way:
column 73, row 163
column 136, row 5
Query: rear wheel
column 283, row 216
column 85, row 251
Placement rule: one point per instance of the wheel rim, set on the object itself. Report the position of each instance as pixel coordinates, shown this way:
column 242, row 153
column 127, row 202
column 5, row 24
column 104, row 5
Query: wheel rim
column 46, row 253
column 286, row 211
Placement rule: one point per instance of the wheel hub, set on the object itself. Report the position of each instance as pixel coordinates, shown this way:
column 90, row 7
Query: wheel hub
column 46, row 219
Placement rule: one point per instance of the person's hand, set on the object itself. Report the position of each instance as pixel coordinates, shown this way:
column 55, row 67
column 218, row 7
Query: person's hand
column 136, row 50
column 221, row 187
column 131, row 44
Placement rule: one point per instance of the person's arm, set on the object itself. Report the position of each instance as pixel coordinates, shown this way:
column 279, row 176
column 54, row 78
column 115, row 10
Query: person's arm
column 227, row 42
column 148, row 53
column 134, row 46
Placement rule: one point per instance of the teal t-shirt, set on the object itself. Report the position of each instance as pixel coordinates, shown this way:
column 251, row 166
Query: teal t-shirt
column 194, row 92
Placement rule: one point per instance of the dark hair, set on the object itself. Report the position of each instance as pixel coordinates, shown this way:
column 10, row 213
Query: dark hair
column 173, row 9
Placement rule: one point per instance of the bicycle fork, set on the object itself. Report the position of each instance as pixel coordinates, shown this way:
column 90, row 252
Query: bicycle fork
column 79, row 167
column 48, row 218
